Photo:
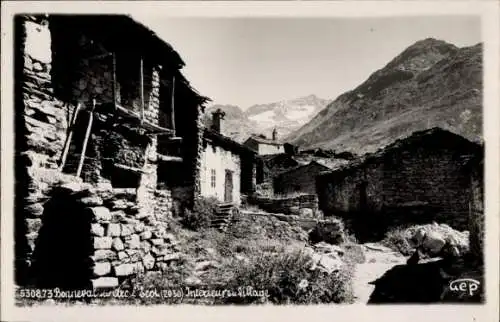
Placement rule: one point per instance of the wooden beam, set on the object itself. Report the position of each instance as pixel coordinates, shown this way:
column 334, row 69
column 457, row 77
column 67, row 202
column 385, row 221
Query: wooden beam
column 145, row 124
column 168, row 158
column 86, row 140
column 129, row 168
column 172, row 110
column 115, row 90
column 100, row 56
column 67, row 143
column 142, row 89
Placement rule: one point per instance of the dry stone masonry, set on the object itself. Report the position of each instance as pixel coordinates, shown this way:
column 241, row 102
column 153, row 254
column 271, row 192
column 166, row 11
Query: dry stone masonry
column 112, row 221
column 305, row 206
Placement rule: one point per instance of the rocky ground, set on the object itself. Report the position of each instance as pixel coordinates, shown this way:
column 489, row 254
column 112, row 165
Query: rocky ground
column 379, row 259
column 386, row 278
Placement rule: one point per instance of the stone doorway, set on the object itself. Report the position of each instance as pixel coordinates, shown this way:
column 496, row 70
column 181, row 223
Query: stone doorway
column 228, row 186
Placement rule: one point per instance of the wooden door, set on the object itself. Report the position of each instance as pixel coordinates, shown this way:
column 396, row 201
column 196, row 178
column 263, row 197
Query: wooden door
column 228, row 186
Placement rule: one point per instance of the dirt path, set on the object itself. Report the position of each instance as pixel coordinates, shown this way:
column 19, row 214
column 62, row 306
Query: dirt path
column 379, row 259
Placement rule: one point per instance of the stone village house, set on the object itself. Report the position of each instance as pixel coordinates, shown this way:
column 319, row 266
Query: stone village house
column 416, row 179
column 264, row 146
column 109, row 142
column 228, row 168
column 301, row 179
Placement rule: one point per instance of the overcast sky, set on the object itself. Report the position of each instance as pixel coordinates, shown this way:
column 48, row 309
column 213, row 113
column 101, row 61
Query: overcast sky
column 246, row 61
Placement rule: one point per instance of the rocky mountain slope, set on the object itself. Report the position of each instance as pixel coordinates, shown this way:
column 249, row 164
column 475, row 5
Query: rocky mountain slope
column 431, row 83
column 286, row 116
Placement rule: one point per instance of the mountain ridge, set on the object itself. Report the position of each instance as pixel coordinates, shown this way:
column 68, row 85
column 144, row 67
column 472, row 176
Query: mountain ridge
column 284, row 115
column 431, row 83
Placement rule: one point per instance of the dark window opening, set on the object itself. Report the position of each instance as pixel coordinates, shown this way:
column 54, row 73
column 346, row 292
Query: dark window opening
column 169, row 175
column 128, row 77
column 212, row 178
column 121, row 178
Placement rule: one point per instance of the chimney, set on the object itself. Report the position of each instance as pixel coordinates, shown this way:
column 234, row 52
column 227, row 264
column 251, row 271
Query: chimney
column 275, row 134
column 217, row 116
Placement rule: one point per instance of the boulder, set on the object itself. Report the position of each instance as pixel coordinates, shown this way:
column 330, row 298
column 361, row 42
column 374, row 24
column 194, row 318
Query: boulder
column 72, row 187
column 34, row 210
column 103, row 254
column 117, row 244
column 114, row 230
column 126, row 229
column 306, row 213
column 324, row 248
column 122, row 255
column 102, row 268
column 139, row 267
column 91, row 201
column 171, row 257
column 33, row 225
column 99, row 213
column 97, row 230
column 192, row 281
column 103, row 242
column 204, row 265
column 104, row 283
column 118, row 216
column 146, row 235
column 439, row 240
column 327, row 263
column 146, row 246
column 125, row 269
column 148, row 261
column 119, row 204
column 157, row 241
column 139, row 227
column 133, row 241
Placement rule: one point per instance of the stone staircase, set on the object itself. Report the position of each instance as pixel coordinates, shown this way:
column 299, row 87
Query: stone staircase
column 224, row 216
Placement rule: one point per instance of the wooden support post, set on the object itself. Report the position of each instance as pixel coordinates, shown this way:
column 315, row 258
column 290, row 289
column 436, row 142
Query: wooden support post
column 142, row 90
column 67, row 144
column 115, row 90
column 172, row 111
column 86, row 139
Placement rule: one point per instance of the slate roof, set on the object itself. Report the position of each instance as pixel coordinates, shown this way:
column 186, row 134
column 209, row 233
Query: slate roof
column 263, row 140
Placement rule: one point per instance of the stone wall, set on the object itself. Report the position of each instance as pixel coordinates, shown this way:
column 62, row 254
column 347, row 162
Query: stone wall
column 63, row 232
column 110, row 238
column 476, row 215
column 300, row 180
column 395, row 182
column 304, row 205
column 41, row 123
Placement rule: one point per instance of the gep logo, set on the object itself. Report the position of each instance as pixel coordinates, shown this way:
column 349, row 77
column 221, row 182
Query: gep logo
column 465, row 285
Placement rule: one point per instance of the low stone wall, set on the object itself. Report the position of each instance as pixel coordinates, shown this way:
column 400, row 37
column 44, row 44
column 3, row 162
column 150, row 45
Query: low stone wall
column 125, row 241
column 303, row 206
column 97, row 237
column 330, row 230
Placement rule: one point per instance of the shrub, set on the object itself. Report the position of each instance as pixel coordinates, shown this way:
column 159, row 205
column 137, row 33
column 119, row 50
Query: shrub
column 202, row 213
column 330, row 231
column 287, row 279
column 397, row 239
